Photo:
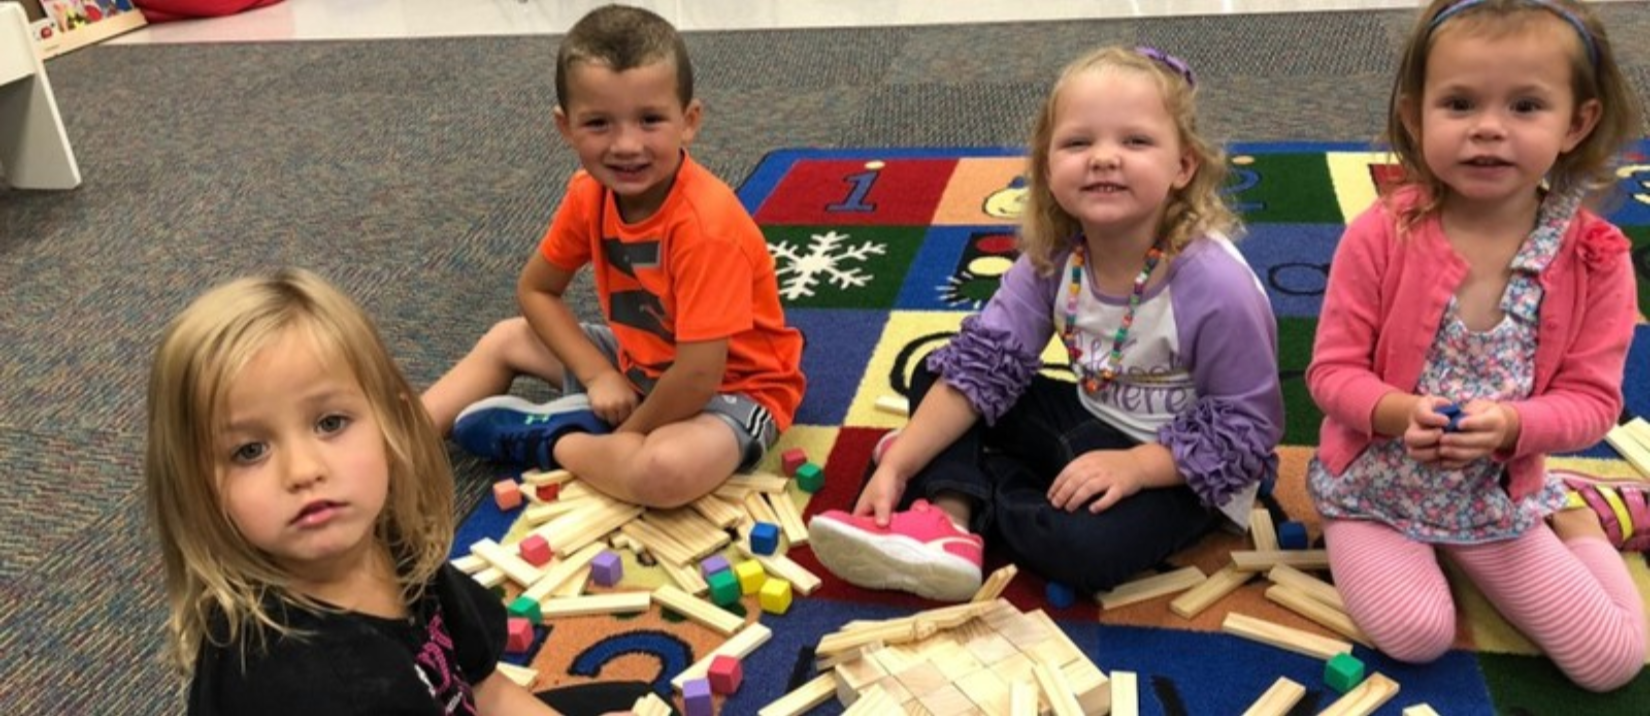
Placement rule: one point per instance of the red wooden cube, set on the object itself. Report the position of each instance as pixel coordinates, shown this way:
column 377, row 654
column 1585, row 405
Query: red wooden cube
column 725, row 674
column 536, row 550
column 792, row 459
column 507, row 493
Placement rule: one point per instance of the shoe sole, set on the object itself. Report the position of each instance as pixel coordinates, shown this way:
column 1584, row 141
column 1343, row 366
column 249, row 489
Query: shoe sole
column 524, row 405
column 892, row 562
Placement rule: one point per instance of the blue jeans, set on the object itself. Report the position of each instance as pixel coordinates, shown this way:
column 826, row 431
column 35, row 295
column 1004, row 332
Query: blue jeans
column 1005, row 470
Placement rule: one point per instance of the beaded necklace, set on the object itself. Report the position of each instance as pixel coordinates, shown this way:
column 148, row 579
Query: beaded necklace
column 1093, row 380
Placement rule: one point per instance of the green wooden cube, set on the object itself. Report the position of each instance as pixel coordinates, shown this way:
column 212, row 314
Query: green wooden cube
column 527, row 608
column 1342, row 672
column 724, row 588
column 810, row 477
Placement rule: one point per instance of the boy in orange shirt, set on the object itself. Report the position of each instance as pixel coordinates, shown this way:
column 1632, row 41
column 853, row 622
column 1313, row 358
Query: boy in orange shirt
column 695, row 371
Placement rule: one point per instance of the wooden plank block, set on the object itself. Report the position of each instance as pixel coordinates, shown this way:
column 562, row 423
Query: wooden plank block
column 1420, row 710
column 1627, row 443
column 894, row 631
column 732, row 493
column 610, row 603
column 663, row 546
column 562, row 570
column 873, row 701
column 1022, row 696
column 470, row 564
column 1092, row 688
column 540, row 513
column 988, row 692
column 742, row 644
column 995, row 584
column 590, row 526
column 803, row 699
column 574, row 585
column 760, row 482
column 506, row 561
column 686, row 576
column 1278, row 700
column 893, row 405
column 519, row 674
column 541, row 477
column 790, row 518
column 1262, row 532
column 698, row 610
column 1204, row 595
column 1058, row 649
column 720, row 512
column 650, row 705
column 1151, row 587
column 1052, row 680
column 1252, row 561
column 778, row 565
column 758, row 510
column 1326, row 616
column 1282, row 637
column 1364, row 698
column 1313, row 587
column 1125, row 693
column 489, row 577
column 699, row 535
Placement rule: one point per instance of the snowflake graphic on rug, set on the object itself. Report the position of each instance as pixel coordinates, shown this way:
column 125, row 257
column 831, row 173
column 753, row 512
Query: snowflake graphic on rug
column 829, row 256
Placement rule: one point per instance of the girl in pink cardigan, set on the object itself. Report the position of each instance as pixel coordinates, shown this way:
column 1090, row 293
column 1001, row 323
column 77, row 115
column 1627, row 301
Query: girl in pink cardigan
column 1475, row 320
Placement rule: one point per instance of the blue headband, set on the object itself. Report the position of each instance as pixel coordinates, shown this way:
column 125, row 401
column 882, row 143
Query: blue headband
column 1557, row 9
column 1170, row 61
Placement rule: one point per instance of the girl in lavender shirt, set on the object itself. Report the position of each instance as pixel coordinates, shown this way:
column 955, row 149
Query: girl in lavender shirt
column 1171, row 426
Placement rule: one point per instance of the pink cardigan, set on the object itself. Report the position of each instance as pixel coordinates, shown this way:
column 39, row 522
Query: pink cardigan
column 1387, row 295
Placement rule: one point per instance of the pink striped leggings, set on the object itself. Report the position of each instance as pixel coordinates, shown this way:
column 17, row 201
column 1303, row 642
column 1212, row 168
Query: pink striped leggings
column 1575, row 600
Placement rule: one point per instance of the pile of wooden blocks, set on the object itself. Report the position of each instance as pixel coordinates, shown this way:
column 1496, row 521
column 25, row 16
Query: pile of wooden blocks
column 983, row 656
column 1632, row 440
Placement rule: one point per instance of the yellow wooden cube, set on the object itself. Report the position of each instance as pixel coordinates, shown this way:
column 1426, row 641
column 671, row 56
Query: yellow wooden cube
column 776, row 596
column 750, row 576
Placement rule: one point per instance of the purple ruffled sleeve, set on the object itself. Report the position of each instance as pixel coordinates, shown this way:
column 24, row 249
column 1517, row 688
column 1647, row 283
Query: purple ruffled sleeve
column 1219, row 449
column 987, row 365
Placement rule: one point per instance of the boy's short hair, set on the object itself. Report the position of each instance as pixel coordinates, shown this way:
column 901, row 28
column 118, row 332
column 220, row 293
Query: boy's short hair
column 623, row 38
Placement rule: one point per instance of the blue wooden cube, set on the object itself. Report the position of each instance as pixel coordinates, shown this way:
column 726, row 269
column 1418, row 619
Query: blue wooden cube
column 1292, row 535
column 1060, row 596
column 764, row 538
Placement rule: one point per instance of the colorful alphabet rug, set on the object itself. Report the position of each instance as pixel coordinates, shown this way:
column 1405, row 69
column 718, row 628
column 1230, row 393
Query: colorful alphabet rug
column 881, row 253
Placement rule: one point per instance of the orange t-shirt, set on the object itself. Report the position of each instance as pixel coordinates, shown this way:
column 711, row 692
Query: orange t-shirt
column 697, row 270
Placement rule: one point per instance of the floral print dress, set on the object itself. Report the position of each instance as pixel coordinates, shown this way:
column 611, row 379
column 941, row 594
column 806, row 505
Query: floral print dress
column 1469, row 505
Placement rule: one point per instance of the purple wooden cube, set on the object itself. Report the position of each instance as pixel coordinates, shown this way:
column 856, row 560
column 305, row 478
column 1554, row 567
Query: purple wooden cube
column 696, row 699
column 607, row 569
column 713, row 564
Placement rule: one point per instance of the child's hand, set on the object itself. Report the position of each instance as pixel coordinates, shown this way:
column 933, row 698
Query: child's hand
column 611, row 398
column 1109, row 474
column 1481, row 429
column 881, row 493
column 1426, row 428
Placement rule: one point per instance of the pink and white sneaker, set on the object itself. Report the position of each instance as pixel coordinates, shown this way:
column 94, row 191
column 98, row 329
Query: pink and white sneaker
column 920, row 551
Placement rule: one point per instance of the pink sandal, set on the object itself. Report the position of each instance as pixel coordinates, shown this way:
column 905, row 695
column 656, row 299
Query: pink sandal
column 1622, row 506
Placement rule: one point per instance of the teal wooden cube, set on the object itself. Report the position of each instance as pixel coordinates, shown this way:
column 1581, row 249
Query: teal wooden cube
column 724, row 587
column 810, row 478
column 1342, row 672
column 527, row 608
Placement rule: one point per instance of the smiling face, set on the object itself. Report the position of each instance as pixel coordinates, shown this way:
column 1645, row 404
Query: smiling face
column 628, row 128
column 1497, row 110
column 1115, row 154
column 302, row 470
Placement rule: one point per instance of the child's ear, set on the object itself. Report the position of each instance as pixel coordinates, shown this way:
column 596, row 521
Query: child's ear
column 692, row 115
column 562, row 125
column 1409, row 116
column 1582, row 123
column 1188, row 169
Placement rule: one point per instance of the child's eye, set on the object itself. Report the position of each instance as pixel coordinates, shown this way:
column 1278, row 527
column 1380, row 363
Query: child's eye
column 248, row 453
column 1525, row 106
column 595, row 124
column 1141, row 141
column 332, row 423
column 1456, row 104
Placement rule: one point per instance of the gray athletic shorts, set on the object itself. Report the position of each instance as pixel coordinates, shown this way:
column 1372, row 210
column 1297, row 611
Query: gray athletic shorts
column 753, row 427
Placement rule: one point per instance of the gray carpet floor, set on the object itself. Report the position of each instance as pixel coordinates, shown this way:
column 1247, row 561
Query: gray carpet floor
column 417, row 174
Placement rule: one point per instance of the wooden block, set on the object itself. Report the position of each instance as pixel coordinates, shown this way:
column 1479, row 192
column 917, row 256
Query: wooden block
column 792, row 459
column 507, row 494
column 1058, row 649
column 873, row 701
column 1282, row 637
column 1420, row 710
column 540, row 477
column 718, row 511
column 1212, row 590
column 758, row 511
column 650, row 705
column 1326, row 616
column 760, row 482
column 1626, row 442
column 740, row 645
column 1056, row 691
column 790, row 519
column 1363, row 700
column 1022, row 698
column 1152, row 587
column 751, row 576
column 1278, row 700
column 783, row 567
column 545, row 511
column 469, row 564
column 698, row 534
column 506, row 561
column 1252, row 561
column 535, row 550
column 610, row 603
column 562, row 571
column 803, row 699
column 922, row 678
column 519, row 674
column 894, row 405
column 725, row 674
column 698, row 610
column 895, row 631
column 1125, row 694
column 948, row 700
column 852, row 677
column 1092, row 688
column 685, row 576
column 574, row 586
column 591, row 526
column 989, row 693
column 1313, row 587
column 1261, row 530
column 775, row 596
column 489, row 577
column 662, row 545
column 995, row 584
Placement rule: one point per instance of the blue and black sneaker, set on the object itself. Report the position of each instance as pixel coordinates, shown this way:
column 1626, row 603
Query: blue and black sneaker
column 508, row 429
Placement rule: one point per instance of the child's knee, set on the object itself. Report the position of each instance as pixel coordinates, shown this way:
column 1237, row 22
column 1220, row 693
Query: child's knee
column 1607, row 669
column 1415, row 639
column 505, row 335
column 667, row 479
